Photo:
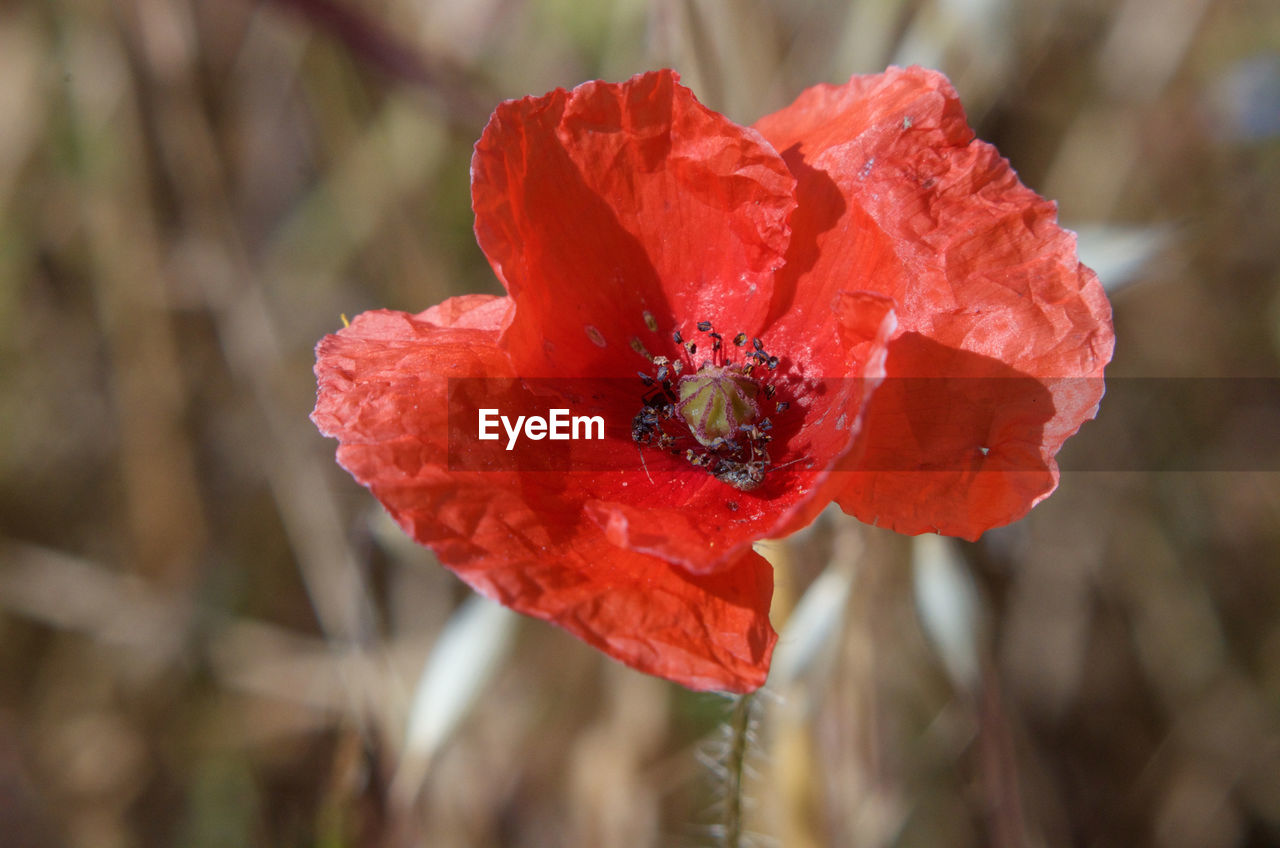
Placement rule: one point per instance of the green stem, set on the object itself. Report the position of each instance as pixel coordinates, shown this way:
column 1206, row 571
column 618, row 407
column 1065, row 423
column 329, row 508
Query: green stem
column 739, row 726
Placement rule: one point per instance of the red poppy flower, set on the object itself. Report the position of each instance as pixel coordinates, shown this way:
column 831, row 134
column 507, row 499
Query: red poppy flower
column 761, row 281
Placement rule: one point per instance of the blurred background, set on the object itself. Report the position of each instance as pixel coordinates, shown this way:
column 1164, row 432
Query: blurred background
column 210, row 636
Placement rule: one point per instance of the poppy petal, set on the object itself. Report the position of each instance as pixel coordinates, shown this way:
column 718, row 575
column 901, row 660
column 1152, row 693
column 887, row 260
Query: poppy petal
column 987, row 287
column 621, row 212
column 514, row 537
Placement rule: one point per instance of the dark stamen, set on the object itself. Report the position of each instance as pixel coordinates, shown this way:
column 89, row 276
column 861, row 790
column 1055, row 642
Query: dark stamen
column 736, row 450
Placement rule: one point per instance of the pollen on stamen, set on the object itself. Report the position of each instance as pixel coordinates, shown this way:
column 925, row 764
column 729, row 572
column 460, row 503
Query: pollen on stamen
column 596, row 338
column 711, row 417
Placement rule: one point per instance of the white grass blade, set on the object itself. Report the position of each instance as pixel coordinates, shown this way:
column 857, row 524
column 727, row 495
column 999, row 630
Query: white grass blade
column 465, row 657
column 949, row 606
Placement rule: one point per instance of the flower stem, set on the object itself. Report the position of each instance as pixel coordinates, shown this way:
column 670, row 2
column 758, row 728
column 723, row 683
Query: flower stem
column 739, row 730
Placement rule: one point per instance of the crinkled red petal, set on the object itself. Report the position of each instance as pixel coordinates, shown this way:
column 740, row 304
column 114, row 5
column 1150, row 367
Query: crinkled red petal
column 599, row 205
column 522, row 538
column 895, row 192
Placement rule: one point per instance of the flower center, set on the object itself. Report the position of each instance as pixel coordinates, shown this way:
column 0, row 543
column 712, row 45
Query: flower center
column 714, row 415
column 716, row 403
